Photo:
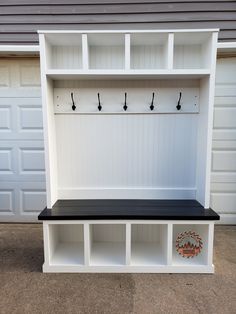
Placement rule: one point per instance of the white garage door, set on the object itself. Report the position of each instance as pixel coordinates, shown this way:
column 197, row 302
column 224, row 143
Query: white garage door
column 22, row 177
column 223, row 195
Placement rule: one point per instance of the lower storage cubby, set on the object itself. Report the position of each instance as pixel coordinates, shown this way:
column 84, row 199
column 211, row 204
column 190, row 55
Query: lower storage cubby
column 66, row 243
column 149, row 244
column 107, row 244
column 129, row 246
column 190, row 244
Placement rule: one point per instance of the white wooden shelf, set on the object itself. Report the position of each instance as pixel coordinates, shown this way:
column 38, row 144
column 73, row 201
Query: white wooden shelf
column 130, row 50
column 147, row 254
column 61, row 74
column 107, row 254
column 68, row 253
column 127, row 115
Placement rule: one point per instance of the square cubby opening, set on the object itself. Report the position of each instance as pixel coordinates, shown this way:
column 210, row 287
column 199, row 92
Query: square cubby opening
column 64, row 51
column 66, row 244
column 190, row 244
column 107, row 244
column 192, row 52
column 148, row 51
column 148, row 244
column 106, row 51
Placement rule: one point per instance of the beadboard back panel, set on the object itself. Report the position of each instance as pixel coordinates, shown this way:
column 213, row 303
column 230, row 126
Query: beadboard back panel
column 126, row 152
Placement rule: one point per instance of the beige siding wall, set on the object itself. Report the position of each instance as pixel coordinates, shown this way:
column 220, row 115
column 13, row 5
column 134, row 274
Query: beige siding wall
column 20, row 19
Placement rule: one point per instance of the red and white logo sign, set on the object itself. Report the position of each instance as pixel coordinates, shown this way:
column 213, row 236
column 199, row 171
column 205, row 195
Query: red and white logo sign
column 189, row 244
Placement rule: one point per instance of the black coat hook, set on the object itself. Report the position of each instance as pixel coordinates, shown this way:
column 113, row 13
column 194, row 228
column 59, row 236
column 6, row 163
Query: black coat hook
column 99, row 103
column 125, row 107
column 73, row 103
column 152, row 102
column 178, row 107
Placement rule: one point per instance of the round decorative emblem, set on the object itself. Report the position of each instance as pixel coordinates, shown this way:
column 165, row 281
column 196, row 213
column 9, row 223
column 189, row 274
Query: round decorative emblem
column 188, row 244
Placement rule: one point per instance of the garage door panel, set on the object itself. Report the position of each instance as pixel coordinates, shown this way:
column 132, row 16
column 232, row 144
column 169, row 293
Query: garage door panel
column 18, row 93
column 224, row 145
column 31, row 198
column 220, row 134
column 22, row 161
column 4, row 75
column 32, row 201
column 225, row 118
column 22, row 174
column 32, row 160
column 8, row 163
column 225, row 101
column 224, row 161
column 29, row 74
column 224, row 203
column 7, row 203
column 225, row 90
column 6, row 160
column 19, row 73
column 19, row 201
column 223, row 177
column 8, row 199
column 225, row 71
column 30, row 118
column 21, row 118
column 226, row 187
column 5, row 118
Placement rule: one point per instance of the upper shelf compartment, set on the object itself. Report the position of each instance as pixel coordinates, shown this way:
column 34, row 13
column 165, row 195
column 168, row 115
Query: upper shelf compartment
column 106, row 51
column 128, row 53
column 64, row 51
column 192, row 51
column 149, row 51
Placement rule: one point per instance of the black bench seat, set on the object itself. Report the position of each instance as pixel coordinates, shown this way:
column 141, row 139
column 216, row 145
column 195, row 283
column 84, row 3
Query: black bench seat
column 128, row 209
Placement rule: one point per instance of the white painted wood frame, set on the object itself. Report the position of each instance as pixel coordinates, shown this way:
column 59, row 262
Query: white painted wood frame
column 69, row 173
column 164, row 154
column 72, row 250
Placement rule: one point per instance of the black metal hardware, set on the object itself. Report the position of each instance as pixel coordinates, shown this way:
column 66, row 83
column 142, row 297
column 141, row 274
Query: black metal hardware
column 178, row 107
column 152, row 102
column 125, row 107
column 73, row 103
column 99, row 103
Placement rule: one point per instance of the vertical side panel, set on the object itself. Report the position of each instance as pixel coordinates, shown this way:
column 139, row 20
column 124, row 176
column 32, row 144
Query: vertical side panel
column 127, row 51
column 169, row 243
column 49, row 128
column 210, row 118
column 87, row 244
column 164, row 240
column 85, row 52
column 210, row 244
column 46, row 245
column 170, row 51
column 205, row 127
column 128, row 243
